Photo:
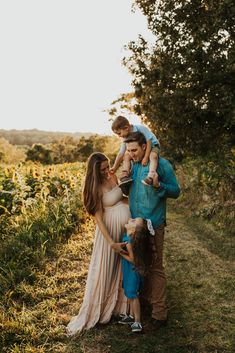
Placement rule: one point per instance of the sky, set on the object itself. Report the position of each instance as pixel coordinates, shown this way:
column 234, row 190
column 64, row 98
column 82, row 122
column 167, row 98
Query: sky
column 60, row 62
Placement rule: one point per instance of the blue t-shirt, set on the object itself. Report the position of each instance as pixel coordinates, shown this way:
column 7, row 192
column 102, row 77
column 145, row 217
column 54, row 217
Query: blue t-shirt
column 146, row 132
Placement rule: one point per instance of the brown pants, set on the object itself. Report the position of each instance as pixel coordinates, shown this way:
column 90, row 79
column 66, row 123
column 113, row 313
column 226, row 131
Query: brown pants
column 155, row 283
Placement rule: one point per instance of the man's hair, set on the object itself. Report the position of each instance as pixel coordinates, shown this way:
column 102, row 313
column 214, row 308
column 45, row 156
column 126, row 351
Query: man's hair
column 136, row 137
column 119, row 123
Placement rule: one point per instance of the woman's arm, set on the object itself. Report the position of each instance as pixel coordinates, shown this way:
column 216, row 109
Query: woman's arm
column 117, row 247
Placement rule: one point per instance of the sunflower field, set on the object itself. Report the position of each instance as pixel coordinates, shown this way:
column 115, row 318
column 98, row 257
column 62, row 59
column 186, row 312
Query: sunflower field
column 40, row 207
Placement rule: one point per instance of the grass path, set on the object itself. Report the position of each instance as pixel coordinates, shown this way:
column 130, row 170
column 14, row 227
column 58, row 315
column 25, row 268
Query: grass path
column 200, row 270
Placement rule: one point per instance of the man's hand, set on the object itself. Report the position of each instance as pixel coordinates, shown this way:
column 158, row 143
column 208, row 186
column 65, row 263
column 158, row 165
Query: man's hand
column 145, row 161
column 156, row 183
column 118, row 248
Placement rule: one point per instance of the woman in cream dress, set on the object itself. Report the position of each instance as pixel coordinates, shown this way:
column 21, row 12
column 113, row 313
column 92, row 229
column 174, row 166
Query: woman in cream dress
column 104, row 295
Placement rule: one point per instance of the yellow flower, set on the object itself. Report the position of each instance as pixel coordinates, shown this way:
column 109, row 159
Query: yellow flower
column 48, row 172
column 36, row 174
column 6, row 172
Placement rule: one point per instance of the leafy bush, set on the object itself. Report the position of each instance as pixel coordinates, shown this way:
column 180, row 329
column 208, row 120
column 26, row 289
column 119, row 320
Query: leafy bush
column 208, row 188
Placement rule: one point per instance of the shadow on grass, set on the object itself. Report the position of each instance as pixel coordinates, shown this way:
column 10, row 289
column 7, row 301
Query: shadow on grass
column 117, row 338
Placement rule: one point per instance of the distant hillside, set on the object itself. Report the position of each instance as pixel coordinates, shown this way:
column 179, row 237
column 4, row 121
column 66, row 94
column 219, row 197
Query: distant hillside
column 29, row 137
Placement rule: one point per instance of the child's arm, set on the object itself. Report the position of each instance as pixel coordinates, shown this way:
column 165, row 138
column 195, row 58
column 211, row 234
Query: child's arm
column 119, row 157
column 130, row 256
column 145, row 160
column 117, row 162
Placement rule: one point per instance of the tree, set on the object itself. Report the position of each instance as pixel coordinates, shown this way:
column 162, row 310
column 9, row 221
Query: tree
column 185, row 84
column 39, row 153
column 9, row 153
column 62, row 150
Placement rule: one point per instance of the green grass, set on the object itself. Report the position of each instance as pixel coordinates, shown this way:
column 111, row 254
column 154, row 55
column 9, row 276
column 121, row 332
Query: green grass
column 200, row 272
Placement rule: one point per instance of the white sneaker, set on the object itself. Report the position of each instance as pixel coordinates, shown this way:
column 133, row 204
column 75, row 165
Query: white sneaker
column 136, row 327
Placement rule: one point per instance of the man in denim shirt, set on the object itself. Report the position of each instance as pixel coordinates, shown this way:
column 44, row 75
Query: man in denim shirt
column 149, row 202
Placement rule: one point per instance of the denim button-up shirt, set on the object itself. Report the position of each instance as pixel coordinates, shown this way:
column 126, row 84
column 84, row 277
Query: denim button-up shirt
column 147, row 201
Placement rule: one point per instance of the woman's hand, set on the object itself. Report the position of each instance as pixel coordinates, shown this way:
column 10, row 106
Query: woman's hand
column 118, row 248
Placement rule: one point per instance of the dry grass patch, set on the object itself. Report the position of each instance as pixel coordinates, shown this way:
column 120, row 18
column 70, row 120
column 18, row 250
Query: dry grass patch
column 34, row 317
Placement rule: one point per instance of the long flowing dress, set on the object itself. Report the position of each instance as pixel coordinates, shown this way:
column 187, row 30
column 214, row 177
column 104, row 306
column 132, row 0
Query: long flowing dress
column 104, row 295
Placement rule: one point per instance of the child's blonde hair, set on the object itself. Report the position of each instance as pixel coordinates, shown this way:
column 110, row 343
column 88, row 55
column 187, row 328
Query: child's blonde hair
column 119, row 123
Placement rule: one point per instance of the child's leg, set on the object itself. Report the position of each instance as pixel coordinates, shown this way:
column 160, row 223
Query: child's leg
column 153, row 159
column 135, row 309
column 126, row 166
column 125, row 179
column 128, row 318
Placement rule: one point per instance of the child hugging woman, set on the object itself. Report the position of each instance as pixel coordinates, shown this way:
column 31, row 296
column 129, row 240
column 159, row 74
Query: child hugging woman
column 135, row 265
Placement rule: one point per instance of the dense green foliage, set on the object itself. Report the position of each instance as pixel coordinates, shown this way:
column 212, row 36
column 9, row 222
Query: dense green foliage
column 70, row 150
column 185, row 83
column 64, row 150
column 208, row 190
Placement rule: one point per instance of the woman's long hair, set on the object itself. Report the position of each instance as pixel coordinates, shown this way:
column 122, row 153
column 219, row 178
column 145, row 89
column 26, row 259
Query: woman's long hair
column 142, row 249
column 92, row 193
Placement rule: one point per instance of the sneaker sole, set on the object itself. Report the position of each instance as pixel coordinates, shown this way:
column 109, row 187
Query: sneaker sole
column 143, row 182
column 125, row 182
column 126, row 323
